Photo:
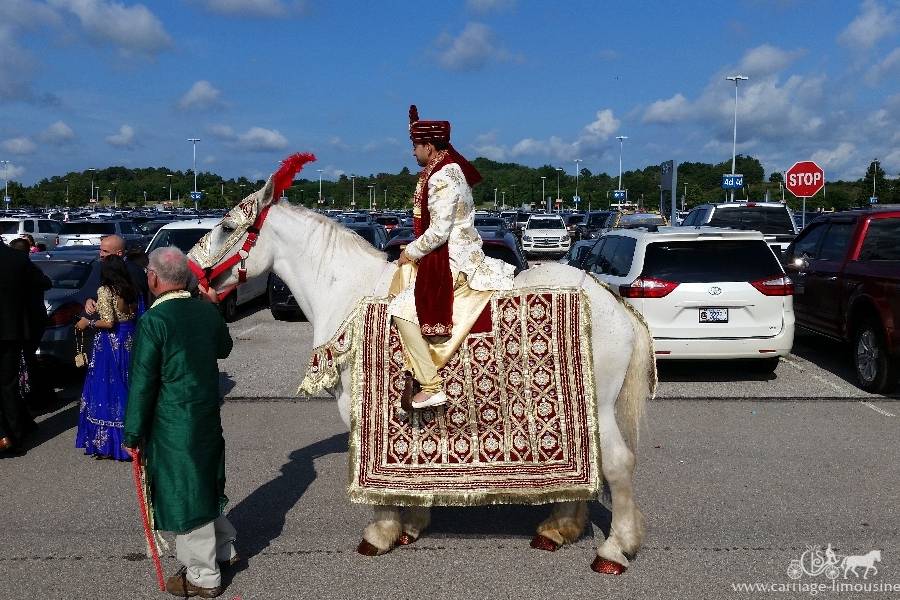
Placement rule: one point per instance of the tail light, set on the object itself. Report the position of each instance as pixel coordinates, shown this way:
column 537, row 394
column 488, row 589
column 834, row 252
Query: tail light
column 57, row 241
column 778, row 285
column 647, row 287
column 65, row 314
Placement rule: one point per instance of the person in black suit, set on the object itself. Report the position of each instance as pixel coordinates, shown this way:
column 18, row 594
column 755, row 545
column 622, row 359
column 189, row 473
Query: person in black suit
column 20, row 282
column 114, row 245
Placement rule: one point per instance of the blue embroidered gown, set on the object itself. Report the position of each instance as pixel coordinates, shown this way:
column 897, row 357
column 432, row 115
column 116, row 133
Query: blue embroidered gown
column 105, row 391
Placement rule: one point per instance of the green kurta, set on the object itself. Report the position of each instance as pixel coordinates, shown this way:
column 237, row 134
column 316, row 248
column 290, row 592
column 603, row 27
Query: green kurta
column 173, row 410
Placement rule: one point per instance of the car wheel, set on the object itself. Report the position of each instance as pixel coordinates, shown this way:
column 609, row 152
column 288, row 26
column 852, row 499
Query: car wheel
column 280, row 315
column 228, row 307
column 765, row 365
column 875, row 371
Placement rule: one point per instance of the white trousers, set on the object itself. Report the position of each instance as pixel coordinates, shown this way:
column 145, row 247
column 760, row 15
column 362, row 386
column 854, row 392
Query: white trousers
column 203, row 548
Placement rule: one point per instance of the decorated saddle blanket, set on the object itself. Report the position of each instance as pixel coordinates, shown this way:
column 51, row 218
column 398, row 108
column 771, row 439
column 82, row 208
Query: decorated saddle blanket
column 520, row 425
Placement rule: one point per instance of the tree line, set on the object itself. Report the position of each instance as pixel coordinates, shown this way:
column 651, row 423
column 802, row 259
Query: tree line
column 504, row 184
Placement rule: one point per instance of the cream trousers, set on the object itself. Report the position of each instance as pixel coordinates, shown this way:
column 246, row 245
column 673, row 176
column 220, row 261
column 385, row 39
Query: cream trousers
column 202, row 548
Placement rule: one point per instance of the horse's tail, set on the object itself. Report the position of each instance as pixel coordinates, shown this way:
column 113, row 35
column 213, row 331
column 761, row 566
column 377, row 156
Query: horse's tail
column 639, row 384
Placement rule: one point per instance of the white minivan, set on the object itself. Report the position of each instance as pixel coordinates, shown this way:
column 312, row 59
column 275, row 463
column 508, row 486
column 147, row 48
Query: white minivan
column 706, row 292
column 183, row 235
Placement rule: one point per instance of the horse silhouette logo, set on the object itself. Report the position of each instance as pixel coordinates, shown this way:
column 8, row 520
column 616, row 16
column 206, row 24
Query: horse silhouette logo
column 815, row 561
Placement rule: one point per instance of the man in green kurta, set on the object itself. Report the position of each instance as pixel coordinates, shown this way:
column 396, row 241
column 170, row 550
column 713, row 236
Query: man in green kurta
column 173, row 414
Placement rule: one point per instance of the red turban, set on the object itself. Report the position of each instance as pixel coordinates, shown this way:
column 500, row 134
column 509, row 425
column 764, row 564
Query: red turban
column 422, row 132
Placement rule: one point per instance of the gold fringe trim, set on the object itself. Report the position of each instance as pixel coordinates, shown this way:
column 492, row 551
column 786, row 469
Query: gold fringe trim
column 322, row 369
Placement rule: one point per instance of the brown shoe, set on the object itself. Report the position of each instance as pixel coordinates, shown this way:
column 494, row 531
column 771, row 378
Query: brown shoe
column 411, row 387
column 235, row 562
column 178, row 585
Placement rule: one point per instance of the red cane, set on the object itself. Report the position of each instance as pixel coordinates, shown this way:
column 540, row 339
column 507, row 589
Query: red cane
column 145, row 516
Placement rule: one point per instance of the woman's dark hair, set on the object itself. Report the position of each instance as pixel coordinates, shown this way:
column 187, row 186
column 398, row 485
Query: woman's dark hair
column 114, row 275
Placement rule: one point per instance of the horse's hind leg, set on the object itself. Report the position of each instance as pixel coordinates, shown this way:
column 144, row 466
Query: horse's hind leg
column 415, row 520
column 563, row 526
column 381, row 535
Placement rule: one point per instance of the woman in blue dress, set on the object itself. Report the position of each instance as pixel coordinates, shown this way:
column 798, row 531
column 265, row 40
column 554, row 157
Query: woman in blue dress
column 105, row 389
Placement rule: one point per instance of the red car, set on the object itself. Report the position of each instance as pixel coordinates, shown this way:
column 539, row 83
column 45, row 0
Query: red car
column 846, row 272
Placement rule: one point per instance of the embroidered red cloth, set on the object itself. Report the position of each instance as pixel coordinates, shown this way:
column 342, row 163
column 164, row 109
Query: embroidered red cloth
column 520, row 424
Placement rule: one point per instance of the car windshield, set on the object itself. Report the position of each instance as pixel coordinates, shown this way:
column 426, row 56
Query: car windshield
column 767, row 219
column 367, row 233
column 488, row 222
column 9, row 226
column 575, row 220
column 387, row 220
column 63, row 274
column 632, row 221
column 183, row 239
column 705, row 261
column 151, row 227
column 522, row 217
column 545, row 223
column 598, row 219
column 88, row 228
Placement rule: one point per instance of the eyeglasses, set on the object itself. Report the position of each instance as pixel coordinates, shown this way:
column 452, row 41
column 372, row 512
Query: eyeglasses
column 148, row 270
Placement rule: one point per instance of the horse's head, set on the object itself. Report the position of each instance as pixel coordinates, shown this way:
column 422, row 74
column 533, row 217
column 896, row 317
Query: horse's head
column 222, row 259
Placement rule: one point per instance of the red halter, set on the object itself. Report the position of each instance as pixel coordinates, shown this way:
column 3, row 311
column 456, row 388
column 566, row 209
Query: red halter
column 206, row 276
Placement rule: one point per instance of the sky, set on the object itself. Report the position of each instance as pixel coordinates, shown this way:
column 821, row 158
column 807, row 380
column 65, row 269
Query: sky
column 97, row 83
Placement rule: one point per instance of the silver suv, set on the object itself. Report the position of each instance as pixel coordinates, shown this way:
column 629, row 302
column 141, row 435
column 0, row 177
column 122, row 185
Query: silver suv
column 772, row 219
column 89, row 233
column 44, row 231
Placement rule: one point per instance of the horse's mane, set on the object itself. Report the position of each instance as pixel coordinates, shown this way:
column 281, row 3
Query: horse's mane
column 335, row 237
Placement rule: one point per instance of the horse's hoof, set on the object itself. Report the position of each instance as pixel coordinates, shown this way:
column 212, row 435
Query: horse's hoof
column 608, row 567
column 367, row 549
column 406, row 539
column 541, row 542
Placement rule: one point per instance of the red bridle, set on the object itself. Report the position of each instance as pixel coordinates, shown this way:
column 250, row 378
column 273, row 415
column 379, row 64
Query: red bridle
column 207, row 275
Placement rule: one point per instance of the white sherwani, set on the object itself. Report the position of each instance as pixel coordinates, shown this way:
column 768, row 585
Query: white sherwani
column 452, row 212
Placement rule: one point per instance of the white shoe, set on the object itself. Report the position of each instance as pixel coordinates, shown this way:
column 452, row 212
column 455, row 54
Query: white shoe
column 433, row 400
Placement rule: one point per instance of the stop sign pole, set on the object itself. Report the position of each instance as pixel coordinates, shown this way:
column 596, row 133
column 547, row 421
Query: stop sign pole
column 805, row 179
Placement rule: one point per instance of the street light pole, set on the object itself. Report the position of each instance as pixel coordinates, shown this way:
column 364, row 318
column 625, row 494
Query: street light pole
column 735, row 79
column 92, row 183
column 371, row 196
column 495, row 198
column 320, row 187
column 169, row 177
column 543, row 192
column 621, row 139
column 874, row 175
column 194, row 142
column 577, row 170
column 558, row 203
column 353, row 191
column 5, row 164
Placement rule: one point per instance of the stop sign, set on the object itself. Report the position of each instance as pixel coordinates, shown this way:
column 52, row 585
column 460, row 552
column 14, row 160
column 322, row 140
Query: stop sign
column 804, row 179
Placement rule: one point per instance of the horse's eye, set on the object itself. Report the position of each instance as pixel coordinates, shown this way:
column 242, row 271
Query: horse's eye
column 227, row 228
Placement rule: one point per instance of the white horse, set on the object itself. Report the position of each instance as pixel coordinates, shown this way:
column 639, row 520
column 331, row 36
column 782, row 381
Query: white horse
column 867, row 561
column 329, row 269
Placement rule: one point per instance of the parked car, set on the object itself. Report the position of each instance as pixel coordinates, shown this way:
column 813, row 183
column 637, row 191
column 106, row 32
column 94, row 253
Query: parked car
column 44, row 231
column 490, row 222
column 89, row 233
column 635, row 220
column 573, row 224
column 75, row 277
column 596, row 222
column 706, row 293
column 577, row 253
column 389, row 221
column 846, row 272
column 499, row 244
column 545, row 234
column 773, row 219
column 282, row 303
column 183, row 235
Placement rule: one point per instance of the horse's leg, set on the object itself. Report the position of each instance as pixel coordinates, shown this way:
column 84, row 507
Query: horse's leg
column 380, row 536
column 563, row 526
column 415, row 520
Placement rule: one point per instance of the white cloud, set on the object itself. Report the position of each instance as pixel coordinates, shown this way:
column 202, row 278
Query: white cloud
column 673, row 110
column 57, row 133
column 766, row 60
column 11, row 171
column 222, row 132
column 602, row 127
column 471, row 50
column 258, row 139
column 870, row 25
column 27, row 14
column 835, row 158
column 16, row 67
column 887, row 67
column 256, row 8
column 123, row 139
column 135, row 30
column 202, row 96
column 19, row 145
column 208, row 160
column 486, row 145
column 486, row 6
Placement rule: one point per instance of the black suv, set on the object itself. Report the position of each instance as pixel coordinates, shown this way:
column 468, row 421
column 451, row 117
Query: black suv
column 596, row 222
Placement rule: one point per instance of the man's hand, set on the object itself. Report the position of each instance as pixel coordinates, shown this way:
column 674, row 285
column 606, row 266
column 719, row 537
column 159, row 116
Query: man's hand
column 90, row 306
column 210, row 295
column 404, row 259
column 82, row 324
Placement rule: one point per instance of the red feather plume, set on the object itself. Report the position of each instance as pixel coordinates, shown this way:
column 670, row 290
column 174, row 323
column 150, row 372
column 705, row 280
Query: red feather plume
column 284, row 176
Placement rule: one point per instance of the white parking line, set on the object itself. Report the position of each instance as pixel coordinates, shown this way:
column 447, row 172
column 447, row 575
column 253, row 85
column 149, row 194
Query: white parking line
column 816, row 376
column 241, row 334
column 877, row 409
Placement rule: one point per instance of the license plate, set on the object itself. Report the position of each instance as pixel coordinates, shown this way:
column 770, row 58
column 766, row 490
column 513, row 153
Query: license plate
column 713, row 315
column 78, row 242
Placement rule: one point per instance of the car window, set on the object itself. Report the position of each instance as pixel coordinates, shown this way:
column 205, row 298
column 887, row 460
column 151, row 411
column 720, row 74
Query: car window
column 594, row 255
column 542, row 223
column 183, row 239
column 489, row 222
column 65, row 275
column 639, row 220
column 767, row 219
column 882, row 241
column 598, row 219
column 86, row 227
column 501, row 253
column 126, row 227
column 615, row 257
column 706, row 261
column 28, row 226
column 807, row 243
column 836, row 240
column 45, row 227
column 7, row 227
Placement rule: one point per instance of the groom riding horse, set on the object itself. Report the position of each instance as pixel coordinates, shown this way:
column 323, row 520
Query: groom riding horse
column 445, row 277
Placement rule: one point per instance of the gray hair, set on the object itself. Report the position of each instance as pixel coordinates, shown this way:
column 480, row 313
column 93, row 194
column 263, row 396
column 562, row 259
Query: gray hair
column 170, row 265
